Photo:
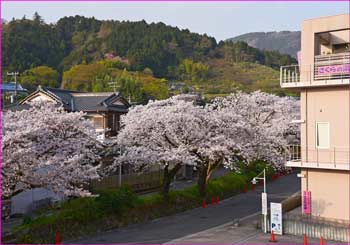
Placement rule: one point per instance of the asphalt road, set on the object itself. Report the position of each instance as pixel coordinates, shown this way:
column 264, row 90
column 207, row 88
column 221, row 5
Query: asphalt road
column 192, row 221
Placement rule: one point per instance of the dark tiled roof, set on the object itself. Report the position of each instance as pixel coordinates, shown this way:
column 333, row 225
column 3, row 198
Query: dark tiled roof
column 90, row 101
column 84, row 101
column 60, row 95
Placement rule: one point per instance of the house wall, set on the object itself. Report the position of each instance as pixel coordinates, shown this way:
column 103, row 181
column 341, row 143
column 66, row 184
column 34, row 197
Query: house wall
column 98, row 120
column 42, row 97
column 329, row 192
column 310, row 43
column 330, row 104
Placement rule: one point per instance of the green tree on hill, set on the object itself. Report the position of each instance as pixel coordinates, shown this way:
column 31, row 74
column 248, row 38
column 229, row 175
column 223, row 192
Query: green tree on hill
column 41, row 75
column 189, row 70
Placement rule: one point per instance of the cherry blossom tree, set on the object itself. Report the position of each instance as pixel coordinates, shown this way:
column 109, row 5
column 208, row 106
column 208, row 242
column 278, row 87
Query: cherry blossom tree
column 155, row 134
column 176, row 131
column 267, row 124
column 173, row 133
column 46, row 146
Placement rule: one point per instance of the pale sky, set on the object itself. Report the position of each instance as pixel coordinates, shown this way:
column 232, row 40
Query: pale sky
column 220, row 19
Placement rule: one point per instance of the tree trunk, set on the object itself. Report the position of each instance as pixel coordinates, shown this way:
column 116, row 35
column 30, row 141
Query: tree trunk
column 202, row 179
column 168, row 177
column 166, row 182
column 204, row 176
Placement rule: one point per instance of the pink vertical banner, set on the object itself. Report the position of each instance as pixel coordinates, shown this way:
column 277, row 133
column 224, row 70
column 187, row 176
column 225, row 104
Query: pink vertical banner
column 306, row 202
column 299, row 58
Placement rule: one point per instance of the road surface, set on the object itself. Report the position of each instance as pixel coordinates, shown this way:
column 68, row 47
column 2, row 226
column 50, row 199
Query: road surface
column 168, row 228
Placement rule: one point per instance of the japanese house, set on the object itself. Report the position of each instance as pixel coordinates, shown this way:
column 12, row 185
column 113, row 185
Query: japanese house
column 103, row 108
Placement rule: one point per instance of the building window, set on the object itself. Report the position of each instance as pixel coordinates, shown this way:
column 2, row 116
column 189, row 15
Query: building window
column 322, row 135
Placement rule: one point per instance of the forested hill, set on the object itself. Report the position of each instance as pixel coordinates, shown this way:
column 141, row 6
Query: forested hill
column 86, row 54
column 75, row 40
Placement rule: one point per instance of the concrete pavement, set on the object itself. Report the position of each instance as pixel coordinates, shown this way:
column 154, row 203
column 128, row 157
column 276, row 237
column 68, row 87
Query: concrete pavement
column 246, row 233
column 168, row 228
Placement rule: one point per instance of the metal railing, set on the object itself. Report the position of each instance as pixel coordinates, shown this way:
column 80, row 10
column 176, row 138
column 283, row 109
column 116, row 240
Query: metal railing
column 325, row 67
column 335, row 59
column 336, row 156
column 138, row 182
column 316, row 227
column 332, row 66
column 290, row 74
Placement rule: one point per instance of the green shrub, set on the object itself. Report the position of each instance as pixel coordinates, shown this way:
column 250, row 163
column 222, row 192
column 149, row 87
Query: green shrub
column 27, row 220
column 115, row 208
column 117, row 201
column 226, row 185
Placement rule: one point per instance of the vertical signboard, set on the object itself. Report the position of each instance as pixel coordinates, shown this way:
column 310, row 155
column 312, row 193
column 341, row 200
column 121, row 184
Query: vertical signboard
column 306, row 202
column 299, row 58
column 276, row 218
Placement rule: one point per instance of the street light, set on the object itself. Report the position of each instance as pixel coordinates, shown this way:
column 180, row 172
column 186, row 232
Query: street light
column 263, row 196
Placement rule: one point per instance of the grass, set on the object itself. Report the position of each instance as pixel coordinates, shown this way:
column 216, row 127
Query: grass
column 113, row 209
column 227, row 77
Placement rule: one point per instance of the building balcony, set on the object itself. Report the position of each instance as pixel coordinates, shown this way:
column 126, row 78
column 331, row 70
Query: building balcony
column 332, row 69
column 336, row 158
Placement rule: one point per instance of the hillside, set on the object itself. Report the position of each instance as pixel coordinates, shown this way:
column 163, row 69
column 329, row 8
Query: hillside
column 285, row 42
column 143, row 60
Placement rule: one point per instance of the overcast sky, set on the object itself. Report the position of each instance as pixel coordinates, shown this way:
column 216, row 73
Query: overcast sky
column 220, row 19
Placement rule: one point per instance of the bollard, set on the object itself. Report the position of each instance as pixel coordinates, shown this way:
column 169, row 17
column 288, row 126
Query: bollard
column 305, row 239
column 272, row 238
column 321, row 241
column 204, row 204
column 58, row 238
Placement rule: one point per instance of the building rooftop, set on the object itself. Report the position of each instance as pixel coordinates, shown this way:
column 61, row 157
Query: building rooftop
column 83, row 101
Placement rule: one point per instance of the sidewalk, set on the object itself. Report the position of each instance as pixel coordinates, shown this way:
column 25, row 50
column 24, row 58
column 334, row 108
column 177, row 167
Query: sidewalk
column 245, row 233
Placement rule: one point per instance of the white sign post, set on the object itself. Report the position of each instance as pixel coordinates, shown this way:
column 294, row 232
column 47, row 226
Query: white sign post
column 264, row 209
column 264, row 203
column 276, row 218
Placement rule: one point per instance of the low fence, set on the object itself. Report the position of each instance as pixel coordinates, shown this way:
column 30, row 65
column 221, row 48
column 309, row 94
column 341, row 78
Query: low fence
column 138, row 182
column 311, row 226
column 316, row 227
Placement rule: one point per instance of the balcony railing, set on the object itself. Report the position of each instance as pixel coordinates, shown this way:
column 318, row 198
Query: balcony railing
column 331, row 158
column 332, row 66
column 333, row 69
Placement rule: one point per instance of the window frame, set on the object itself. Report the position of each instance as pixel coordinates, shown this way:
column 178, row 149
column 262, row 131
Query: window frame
column 328, row 135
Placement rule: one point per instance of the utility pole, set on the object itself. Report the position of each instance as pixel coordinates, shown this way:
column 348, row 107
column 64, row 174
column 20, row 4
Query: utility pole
column 15, row 74
column 114, row 84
